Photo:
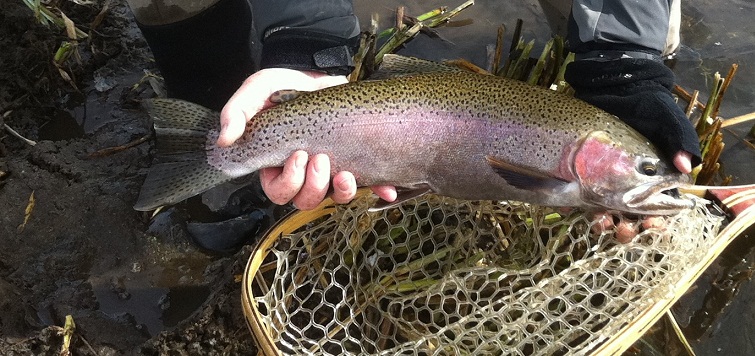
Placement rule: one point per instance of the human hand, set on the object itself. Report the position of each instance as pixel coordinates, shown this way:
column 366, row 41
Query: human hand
column 638, row 91
column 301, row 180
column 304, row 182
column 254, row 96
column 625, row 229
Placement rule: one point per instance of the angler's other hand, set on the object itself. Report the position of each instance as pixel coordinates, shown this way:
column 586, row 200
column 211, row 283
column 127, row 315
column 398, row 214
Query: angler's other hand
column 638, row 91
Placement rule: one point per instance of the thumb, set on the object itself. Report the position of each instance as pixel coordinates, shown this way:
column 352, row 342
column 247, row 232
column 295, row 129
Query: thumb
column 329, row 81
column 232, row 124
column 683, row 162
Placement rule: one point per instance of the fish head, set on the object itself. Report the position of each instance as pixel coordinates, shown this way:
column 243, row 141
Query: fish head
column 622, row 171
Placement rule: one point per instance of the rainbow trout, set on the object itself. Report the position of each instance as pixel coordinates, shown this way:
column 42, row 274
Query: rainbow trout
column 457, row 134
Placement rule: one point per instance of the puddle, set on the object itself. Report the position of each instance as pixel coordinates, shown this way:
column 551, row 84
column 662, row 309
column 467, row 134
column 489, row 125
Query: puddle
column 142, row 303
column 63, row 125
column 157, row 295
column 182, row 301
column 81, row 114
column 156, row 309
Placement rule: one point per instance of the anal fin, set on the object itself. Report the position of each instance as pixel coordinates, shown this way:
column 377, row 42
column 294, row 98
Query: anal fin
column 402, row 196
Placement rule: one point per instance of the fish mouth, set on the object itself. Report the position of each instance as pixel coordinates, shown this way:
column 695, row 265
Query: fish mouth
column 658, row 198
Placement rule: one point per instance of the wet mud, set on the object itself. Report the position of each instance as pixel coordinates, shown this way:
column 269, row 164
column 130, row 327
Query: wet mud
column 131, row 285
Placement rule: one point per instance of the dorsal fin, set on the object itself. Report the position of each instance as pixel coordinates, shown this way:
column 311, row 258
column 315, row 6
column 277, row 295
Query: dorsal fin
column 395, row 65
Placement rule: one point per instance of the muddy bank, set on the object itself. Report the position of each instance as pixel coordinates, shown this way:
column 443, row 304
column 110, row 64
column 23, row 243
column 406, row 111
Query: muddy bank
column 83, row 250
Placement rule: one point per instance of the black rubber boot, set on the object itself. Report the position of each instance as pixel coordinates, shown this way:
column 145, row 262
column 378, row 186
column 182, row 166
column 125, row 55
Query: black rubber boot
column 206, row 57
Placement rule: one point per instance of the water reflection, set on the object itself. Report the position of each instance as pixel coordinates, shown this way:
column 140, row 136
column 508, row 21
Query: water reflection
column 718, row 313
column 469, row 41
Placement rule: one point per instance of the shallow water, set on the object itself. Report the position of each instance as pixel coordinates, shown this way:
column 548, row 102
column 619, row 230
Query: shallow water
column 716, row 314
column 157, row 294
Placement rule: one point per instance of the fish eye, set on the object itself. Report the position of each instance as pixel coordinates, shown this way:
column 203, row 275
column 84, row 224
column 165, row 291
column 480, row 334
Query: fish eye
column 648, row 167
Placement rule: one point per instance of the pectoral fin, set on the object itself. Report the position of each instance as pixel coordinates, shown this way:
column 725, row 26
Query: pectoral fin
column 525, row 178
column 402, row 196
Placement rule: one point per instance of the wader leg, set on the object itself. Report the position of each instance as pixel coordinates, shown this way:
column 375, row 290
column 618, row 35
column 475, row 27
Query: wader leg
column 202, row 48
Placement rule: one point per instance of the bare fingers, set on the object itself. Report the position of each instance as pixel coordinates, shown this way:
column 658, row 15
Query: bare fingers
column 253, row 96
column 281, row 185
column 683, row 162
column 625, row 229
column 305, row 180
column 385, row 192
column 344, row 187
column 315, row 185
column 301, row 180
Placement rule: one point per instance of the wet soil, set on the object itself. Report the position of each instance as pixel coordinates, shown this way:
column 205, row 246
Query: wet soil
column 135, row 285
column 131, row 286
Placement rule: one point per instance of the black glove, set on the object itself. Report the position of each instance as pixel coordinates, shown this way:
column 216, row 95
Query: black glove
column 638, row 91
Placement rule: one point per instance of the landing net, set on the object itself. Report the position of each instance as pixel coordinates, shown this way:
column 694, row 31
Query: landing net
column 442, row 276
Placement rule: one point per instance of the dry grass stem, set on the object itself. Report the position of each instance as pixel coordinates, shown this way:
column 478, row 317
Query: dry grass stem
column 738, row 119
column 724, row 86
column 27, row 212
column 111, row 150
column 678, row 90
column 17, row 135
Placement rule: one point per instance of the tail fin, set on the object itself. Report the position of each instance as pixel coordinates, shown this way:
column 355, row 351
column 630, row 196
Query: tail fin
column 180, row 169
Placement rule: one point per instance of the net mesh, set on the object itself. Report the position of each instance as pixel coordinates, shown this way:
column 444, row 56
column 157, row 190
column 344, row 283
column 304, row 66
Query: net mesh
column 441, row 276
